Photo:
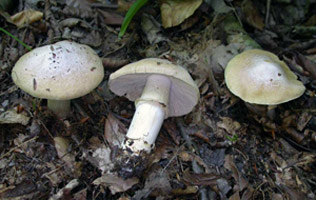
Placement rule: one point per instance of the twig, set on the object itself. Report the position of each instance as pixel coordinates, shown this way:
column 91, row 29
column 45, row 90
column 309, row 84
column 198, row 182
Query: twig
column 16, row 147
column 267, row 12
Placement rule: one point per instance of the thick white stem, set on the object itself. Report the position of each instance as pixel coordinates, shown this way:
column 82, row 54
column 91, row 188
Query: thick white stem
column 151, row 110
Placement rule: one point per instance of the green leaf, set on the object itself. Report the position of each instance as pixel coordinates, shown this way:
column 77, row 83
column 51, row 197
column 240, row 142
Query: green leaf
column 130, row 14
column 232, row 139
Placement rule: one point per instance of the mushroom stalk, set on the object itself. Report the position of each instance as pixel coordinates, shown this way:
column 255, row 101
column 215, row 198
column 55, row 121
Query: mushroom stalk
column 151, row 110
column 60, row 107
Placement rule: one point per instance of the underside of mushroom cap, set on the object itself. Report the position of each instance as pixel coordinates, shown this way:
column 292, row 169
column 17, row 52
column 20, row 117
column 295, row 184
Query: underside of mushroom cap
column 259, row 77
column 61, row 71
column 130, row 80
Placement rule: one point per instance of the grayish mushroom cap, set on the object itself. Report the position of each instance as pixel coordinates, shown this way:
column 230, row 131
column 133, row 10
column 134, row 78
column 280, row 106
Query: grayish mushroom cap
column 61, row 71
column 259, row 77
column 129, row 81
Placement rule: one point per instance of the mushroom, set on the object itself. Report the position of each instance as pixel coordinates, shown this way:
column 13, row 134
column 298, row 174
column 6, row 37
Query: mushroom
column 59, row 72
column 160, row 90
column 259, row 77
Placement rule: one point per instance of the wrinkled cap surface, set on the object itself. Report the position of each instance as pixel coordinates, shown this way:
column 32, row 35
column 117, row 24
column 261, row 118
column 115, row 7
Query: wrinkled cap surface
column 61, row 71
column 259, row 77
column 130, row 80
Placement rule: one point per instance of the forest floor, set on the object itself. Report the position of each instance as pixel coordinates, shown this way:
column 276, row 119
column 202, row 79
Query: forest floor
column 221, row 150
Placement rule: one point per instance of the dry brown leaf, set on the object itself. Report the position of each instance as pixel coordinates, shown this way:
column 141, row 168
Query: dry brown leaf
column 114, row 183
column 235, row 196
column 26, row 17
column 230, row 165
column 229, row 125
column 93, row 39
column 303, row 120
column 284, row 175
column 190, row 178
column 71, row 22
column 186, row 191
column 12, row 117
column 157, row 184
column 111, row 18
column 174, row 12
column 20, row 191
column 252, row 15
column 56, row 174
column 152, row 29
column 171, row 128
column 114, row 131
column 62, row 193
column 81, row 195
column 82, row 4
column 308, row 64
column 186, row 157
column 62, row 145
column 124, row 5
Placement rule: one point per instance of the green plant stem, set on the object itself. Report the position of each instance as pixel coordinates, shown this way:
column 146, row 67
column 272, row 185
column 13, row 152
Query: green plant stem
column 130, row 14
column 17, row 39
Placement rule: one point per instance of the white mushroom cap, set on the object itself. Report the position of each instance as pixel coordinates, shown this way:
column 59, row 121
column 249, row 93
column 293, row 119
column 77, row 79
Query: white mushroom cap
column 61, row 71
column 259, row 77
column 130, row 80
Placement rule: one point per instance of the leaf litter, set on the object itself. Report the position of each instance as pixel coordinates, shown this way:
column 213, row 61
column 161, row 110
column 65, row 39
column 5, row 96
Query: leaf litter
column 221, row 150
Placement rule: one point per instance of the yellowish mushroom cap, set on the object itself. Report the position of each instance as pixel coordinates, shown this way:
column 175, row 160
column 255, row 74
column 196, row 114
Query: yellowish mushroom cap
column 130, row 81
column 259, row 77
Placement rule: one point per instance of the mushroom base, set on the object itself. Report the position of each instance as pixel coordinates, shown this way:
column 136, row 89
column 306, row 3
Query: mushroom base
column 145, row 127
column 60, row 107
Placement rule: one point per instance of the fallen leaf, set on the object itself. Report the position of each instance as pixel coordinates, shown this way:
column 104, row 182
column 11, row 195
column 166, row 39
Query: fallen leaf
column 219, row 6
column 65, row 191
column 229, row 125
column 190, row 178
column 152, row 29
column 6, row 5
column 124, row 5
column 4, row 163
column 223, row 186
column 81, row 195
column 24, row 188
column 114, row 183
column 12, row 117
column 56, row 175
column 174, row 12
column 303, row 120
column 82, row 4
column 185, row 191
column 235, row 196
column 308, row 64
column 252, row 14
column 26, row 17
column 230, row 165
column 111, row 18
column 114, row 131
column 62, row 148
column 157, row 182
column 71, row 22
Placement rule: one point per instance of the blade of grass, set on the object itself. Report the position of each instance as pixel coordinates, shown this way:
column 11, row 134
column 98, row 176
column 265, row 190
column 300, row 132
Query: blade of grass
column 130, row 14
column 17, row 39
